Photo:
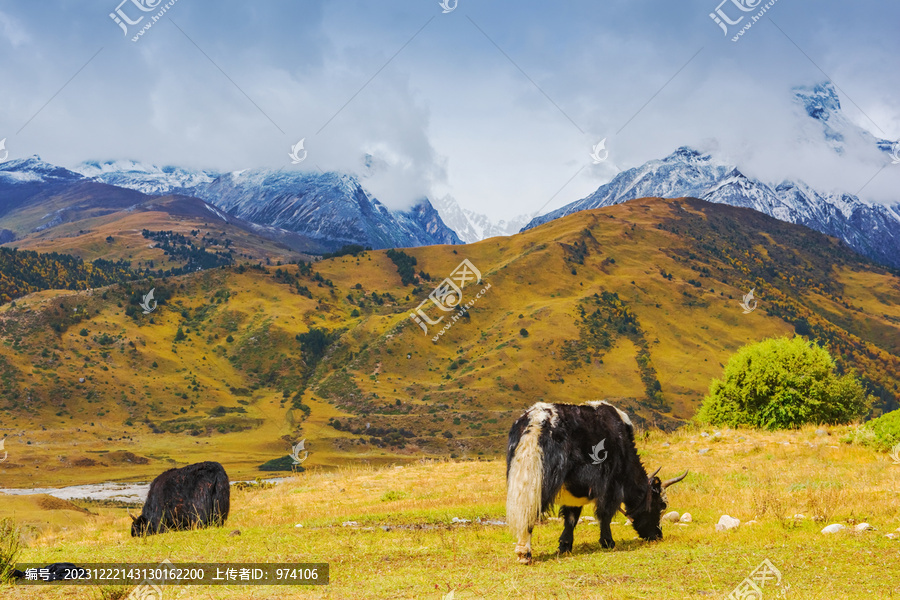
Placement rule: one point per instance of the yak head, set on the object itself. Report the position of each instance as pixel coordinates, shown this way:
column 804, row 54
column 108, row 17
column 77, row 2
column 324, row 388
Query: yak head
column 646, row 521
column 139, row 525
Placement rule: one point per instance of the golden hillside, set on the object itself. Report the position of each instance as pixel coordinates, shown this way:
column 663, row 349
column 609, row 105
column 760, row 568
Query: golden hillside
column 637, row 303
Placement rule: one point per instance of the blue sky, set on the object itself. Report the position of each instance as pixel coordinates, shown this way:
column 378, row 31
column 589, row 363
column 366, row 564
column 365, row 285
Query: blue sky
column 496, row 103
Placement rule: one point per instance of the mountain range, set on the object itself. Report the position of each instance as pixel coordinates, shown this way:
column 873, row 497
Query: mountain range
column 873, row 230
column 333, row 208
column 318, row 212
column 328, row 210
column 471, row 226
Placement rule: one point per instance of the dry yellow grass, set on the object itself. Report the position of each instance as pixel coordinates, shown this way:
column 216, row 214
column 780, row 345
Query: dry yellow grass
column 750, row 475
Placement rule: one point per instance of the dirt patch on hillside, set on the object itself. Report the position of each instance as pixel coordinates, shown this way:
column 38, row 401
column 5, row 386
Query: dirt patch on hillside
column 45, row 502
column 122, row 456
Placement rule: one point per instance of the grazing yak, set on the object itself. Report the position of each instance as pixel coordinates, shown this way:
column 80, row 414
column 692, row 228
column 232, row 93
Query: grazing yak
column 197, row 495
column 574, row 455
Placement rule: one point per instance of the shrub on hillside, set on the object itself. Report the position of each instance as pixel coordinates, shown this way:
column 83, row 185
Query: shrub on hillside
column 405, row 264
column 882, row 433
column 783, row 383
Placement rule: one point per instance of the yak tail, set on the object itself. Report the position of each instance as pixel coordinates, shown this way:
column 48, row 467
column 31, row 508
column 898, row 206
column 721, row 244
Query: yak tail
column 525, row 482
column 221, row 498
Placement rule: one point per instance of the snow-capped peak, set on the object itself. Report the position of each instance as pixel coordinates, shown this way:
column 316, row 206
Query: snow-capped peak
column 472, row 226
column 147, row 178
column 33, row 169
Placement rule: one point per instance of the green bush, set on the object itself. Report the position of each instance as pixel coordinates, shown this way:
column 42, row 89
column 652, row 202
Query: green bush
column 393, row 495
column 783, row 383
column 882, row 433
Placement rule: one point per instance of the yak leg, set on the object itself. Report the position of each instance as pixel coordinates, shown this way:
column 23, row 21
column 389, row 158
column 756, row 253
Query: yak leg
column 570, row 515
column 605, row 515
column 523, row 548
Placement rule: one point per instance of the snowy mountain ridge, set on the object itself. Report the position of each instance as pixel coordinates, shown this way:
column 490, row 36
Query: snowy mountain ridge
column 871, row 229
column 331, row 207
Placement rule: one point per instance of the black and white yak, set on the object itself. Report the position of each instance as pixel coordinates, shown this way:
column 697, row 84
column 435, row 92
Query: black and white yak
column 197, row 495
column 572, row 456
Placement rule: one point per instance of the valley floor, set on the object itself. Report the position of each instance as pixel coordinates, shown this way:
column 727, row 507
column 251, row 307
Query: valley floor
column 389, row 532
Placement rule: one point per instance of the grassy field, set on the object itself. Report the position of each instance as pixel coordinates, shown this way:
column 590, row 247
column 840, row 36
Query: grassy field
column 637, row 303
column 404, row 543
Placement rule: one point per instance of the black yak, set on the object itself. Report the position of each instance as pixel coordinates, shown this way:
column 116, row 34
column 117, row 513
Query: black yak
column 197, row 495
column 572, row 456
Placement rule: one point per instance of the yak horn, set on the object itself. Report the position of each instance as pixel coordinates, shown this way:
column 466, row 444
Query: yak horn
column 654, row 473
column 675, row 480
column 133, row 518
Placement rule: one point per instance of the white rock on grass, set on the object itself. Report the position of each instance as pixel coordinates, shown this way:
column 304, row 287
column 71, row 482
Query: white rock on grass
column 863, row 527
column 891, row 536
column 727, row 523
column 751, row 522
column 799, row 517
column 834, row 528
column 671, row 517
column 349, row 524
column 704, row 434
column 686, row 518
column 704, row 450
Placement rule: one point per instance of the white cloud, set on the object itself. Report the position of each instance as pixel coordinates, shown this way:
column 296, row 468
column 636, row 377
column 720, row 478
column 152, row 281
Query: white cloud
column 450, row 113
column 13, row 30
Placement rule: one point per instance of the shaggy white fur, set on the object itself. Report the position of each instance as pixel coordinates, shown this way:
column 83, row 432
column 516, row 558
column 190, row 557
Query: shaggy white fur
column 526, row 478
